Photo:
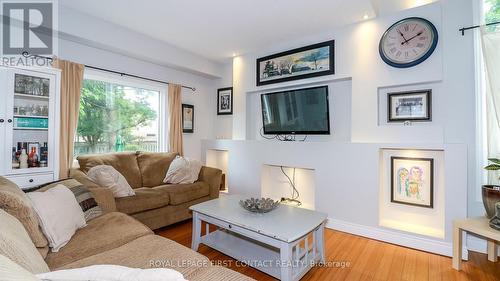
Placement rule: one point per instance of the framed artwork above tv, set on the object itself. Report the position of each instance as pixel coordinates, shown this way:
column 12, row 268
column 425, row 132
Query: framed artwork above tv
column 305, row 62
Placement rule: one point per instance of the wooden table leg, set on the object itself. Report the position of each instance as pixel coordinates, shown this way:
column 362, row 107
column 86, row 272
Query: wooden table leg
column 196, row 235
column 457, row 248
column 492, row 251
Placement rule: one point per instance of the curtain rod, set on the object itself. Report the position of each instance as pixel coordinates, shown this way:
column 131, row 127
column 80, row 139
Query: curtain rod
column 463, row 29
column 27, row 55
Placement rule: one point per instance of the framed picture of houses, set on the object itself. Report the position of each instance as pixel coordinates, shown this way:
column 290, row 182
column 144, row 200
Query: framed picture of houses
column 409, row 106
column 305, row 62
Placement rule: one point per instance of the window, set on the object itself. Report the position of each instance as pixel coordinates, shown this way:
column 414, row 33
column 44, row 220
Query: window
column 487, row 11
column 491, row 12
column 119, row 115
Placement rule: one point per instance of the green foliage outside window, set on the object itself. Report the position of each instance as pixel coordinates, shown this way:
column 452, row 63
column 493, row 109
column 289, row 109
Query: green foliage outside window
column 492, row 13
column 108, row 117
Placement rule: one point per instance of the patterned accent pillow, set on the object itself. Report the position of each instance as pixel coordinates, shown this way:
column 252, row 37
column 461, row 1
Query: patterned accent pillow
column 83, row 196
column 87, row 202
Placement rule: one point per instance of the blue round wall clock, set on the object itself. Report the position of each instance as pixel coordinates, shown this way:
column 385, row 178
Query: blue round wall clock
column 408, row 42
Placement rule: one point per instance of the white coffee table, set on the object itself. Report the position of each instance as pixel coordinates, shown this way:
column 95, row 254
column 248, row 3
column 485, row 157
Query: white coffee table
column 284, row 243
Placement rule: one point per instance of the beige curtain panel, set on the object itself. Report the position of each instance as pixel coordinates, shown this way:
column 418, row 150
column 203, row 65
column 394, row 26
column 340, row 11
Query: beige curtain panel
column 491, row 45
column 175, row 118
column 71, row 85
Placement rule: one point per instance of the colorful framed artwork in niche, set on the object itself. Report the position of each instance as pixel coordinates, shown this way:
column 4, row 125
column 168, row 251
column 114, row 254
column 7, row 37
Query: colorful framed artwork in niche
column 412, row 181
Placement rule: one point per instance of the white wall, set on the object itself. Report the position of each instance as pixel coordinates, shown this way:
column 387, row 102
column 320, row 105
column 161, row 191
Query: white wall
column 347, row 182
column 357, row 57
column 201, row 99
column 449, row 72
column 223, row 124
column 88, row 30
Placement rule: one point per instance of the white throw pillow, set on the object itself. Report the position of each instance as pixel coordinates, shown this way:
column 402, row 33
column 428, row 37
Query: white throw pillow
column 112, row 273
column 183, row 170
column 59, row 214
column 108, row 177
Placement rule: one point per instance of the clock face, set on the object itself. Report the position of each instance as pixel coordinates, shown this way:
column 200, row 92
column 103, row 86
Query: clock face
column 408, row 42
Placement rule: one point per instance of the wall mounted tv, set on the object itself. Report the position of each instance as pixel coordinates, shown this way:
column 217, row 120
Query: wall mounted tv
column 300, row 112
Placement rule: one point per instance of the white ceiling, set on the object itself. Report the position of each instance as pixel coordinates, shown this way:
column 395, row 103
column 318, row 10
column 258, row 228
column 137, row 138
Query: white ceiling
column 219, row 29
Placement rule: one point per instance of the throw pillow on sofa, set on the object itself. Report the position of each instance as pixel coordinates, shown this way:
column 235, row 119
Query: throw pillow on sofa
column 59, row 214
column 16, row 245
column 83, row 196
column 108, row 177
column 113, row 273
column 183, row 170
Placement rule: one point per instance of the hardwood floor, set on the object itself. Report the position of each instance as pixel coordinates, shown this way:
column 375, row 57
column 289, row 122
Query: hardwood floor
column 364, row 259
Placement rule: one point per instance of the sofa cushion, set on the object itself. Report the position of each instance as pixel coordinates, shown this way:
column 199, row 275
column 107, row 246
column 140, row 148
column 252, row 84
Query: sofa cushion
column 218, row 273
column 182, row 193
column 144, row 199
column 123, row 162
column 106, row 232
column 16, row 245
column 15, row 202
column 151, row 251
column 12, row 271
column 154, row 166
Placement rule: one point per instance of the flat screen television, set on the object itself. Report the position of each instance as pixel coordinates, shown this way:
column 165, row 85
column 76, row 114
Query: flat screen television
column 300, row 112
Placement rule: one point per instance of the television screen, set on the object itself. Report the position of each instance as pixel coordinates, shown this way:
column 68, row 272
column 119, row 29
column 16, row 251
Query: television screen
column 301, row 111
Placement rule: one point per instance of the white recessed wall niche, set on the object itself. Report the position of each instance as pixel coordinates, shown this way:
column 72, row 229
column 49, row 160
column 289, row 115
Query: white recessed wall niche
column 218, row 159
column 276, row 185
column 408, row 218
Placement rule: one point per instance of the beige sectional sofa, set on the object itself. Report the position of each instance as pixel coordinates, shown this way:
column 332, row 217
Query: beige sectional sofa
column 112, row 238
column 155, row 204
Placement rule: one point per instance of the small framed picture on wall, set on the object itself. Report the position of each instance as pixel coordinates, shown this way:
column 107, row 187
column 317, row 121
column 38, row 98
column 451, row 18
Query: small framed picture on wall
column 225, row 101
column 187, row 118
column 412, row 181
column 409, row 106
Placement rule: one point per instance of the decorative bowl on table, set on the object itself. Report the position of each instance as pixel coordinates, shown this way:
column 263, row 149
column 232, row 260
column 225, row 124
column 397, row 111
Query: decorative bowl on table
column 262, row 205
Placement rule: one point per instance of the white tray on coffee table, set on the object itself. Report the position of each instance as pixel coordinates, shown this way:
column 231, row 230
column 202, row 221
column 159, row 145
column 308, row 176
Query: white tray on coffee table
column 284, row 243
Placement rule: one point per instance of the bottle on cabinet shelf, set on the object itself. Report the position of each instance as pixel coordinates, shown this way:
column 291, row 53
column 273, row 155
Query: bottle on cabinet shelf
column 44, row 151
column 23, row 159
column 33, row 158
column 15, row 159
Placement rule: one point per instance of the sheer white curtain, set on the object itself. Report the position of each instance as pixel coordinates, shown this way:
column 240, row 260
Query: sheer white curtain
column 491, row 51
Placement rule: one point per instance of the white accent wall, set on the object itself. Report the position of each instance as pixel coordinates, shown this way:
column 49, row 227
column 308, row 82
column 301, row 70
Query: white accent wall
column 348, row 169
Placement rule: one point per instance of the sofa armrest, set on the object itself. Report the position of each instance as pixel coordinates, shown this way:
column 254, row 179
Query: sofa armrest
column 103, row 196
column 80, row 176
column 213, row 177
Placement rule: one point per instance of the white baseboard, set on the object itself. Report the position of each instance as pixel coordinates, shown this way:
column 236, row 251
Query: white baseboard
column 394, row 237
